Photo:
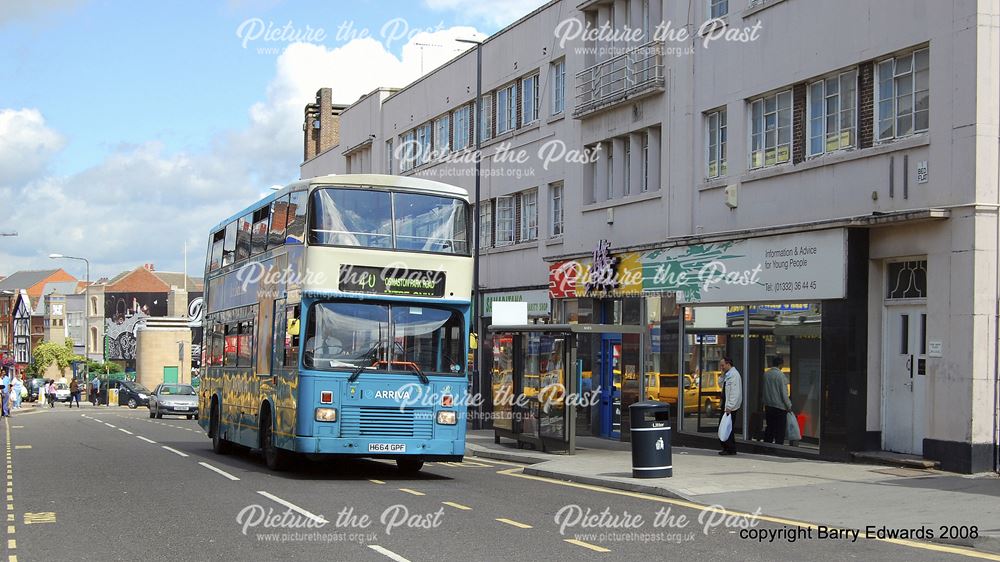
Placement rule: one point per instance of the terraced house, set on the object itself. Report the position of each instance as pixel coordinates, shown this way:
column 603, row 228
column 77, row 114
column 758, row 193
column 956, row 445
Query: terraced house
column 816, row 181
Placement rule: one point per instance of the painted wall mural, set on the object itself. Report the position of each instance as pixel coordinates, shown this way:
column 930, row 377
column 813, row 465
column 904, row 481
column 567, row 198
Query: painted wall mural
column 124, row 314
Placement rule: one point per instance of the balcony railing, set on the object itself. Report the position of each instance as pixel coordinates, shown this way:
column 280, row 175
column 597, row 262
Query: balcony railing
column 632, row 74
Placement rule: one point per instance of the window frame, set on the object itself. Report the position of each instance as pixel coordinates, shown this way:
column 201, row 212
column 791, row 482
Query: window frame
column 506, row 97
column 719, row 139
column 442, row 147
column 558, row 89
column 505, row 224
column 723, row 10
column 485, row 218
column 894, row 97
column 762, row 102
column 485, row 121
column 425, row 146
column 461, row 132
column 823, row 135
column 556, row 210
column 529, row 100
column 528, row 223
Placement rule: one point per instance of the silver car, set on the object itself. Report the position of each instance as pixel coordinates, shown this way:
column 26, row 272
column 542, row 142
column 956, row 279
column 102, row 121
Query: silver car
column 173, row 400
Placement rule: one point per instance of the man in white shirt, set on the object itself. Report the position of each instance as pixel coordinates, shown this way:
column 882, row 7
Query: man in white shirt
column 732, row 400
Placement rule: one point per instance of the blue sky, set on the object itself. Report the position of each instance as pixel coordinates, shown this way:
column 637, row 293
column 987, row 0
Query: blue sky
column 132, row 126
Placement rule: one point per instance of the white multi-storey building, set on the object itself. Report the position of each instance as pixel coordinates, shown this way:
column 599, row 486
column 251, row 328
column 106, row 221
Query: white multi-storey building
column 794, row 179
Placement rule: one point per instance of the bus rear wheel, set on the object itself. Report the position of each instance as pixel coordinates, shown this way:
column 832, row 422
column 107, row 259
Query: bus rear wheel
column 219, row 445
column 409, row 466
column 275, row 458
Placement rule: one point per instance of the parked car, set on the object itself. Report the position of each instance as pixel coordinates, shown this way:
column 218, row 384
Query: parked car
column 35, row 389
column 131, row 394
column 173, row 400
column 62, row 392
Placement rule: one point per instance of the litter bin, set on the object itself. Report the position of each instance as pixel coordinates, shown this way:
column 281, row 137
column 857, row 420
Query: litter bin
column 651, row 456
column 112, row 397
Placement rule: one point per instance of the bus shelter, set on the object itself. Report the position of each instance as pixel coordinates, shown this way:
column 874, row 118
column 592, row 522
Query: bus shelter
column 544, row 383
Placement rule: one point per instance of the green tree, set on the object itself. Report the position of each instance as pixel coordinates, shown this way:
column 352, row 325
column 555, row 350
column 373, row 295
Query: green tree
column 47, row 353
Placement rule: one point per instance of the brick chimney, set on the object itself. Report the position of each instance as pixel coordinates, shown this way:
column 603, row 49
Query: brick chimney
column 321, row 124
column 148, row 267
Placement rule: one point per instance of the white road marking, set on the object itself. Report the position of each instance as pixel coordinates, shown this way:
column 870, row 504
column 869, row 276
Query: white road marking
column 125, row 431
column 175, row 451
column 387, row 553
column 145, row 439
column 293, row 507
column 218, row 471
column 109, row 425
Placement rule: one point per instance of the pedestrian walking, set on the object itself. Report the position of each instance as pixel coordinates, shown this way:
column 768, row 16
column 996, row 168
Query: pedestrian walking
column 5, row 396
column 732, row 400
column 95, row 390
column 50, row 392
column 777, row 404
column 20, row 392
column 74, row 393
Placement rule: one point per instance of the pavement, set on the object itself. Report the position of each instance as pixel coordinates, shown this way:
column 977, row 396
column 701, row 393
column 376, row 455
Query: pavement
column 111, row 484
column 842, row 495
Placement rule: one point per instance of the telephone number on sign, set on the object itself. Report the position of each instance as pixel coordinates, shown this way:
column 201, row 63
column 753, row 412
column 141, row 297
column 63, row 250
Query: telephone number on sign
column 781, row 286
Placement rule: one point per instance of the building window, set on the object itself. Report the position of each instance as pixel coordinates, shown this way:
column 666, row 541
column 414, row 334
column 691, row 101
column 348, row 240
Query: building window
column 529, row 215
column 388, row 156
column 771, row 130
column 716, row 143
column 529, row 98
column 505, row 221
column 423, row 144
column 558, row 87
column 610, row 179
column 906, row 280
column 485, row 223
column 645, row 161
column 718, row 8
column 903, row 95
column 486, row 117
column 556, row 209
column 832, row 124
column 442, row 135
column 460, row 139
column 409, row 151
column 627, row 164
column 506, row 109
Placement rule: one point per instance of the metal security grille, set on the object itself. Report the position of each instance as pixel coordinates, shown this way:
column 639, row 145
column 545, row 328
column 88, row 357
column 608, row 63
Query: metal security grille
column 368, row 421
column 906, row 280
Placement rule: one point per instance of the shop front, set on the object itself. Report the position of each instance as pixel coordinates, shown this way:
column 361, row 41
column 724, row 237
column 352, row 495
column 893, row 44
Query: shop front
column 794, row 304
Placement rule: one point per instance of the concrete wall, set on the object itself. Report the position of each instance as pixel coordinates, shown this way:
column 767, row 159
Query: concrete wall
column 156, row 348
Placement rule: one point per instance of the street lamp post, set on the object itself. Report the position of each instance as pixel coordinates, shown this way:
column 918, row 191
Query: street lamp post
column 477, row 295
column 86, row 299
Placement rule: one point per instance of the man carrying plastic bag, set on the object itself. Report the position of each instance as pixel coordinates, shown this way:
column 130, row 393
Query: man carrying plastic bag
column 732, row 400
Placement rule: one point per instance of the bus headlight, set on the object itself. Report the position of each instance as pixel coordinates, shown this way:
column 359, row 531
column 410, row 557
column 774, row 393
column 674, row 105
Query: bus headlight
column 447, row 417
column 326, row 414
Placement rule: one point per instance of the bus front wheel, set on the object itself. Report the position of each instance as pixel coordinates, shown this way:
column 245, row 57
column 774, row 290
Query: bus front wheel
column 409, row 466
column 275, row 458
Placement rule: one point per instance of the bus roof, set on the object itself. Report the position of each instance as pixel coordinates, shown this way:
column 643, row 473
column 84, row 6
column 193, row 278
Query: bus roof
column 402, row 183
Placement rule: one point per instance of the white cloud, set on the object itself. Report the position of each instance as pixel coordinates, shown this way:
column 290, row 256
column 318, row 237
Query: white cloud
column 26, row 145
column 141, row 204
column 21, row 10
column 498, row 13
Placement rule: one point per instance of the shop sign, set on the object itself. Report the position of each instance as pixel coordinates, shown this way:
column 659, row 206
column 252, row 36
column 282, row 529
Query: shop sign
column 538, row 301
column 798, row 267
column 801, row 267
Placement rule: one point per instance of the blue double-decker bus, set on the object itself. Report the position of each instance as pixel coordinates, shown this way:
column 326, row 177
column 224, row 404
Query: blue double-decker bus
column 337, row 322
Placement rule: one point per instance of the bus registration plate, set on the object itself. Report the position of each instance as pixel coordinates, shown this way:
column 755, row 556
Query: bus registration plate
column 386, row 447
